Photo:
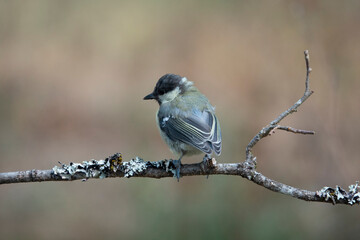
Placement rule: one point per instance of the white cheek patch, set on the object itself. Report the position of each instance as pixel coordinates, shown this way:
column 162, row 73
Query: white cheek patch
column 168, row 97
column 183, row 80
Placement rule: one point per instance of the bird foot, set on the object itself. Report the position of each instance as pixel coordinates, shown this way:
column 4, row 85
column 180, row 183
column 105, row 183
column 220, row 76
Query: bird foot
column 207, row 163
column 177, row 164
column 206, row 160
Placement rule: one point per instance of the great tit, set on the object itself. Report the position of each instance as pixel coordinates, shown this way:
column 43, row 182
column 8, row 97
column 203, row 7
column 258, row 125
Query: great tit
column 185, row 118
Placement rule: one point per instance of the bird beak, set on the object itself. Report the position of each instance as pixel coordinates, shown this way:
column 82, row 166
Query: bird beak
column 150, row 96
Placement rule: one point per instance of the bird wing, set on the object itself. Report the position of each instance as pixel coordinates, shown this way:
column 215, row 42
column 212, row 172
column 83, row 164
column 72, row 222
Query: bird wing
column 200, row 130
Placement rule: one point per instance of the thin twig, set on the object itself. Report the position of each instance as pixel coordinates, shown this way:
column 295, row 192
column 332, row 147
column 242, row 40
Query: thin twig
column 308, row 70
column 294, row 130
column 266, row 130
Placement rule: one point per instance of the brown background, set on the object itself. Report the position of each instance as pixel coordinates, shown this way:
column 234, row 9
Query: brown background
column 72, row 78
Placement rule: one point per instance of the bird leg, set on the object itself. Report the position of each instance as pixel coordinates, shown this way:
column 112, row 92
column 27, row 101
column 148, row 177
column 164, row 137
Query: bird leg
column 177, row 164
column 205, row 164
column 206, row 158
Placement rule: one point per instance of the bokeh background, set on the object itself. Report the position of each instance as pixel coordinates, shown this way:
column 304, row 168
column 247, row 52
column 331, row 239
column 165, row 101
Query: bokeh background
column 72, row 78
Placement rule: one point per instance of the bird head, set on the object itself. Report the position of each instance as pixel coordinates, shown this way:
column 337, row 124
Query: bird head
column 168, row 88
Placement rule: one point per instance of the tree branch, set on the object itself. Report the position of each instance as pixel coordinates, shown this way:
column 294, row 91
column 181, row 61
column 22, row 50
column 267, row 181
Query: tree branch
column 113, row 166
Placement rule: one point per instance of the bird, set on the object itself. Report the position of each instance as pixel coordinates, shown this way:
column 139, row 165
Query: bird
column 186, row 119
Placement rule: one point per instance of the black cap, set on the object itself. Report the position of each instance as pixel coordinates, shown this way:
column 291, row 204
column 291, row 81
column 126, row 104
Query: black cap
column 165, row 84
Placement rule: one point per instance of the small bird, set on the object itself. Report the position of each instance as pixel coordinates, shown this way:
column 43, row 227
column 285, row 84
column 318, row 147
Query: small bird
column 185, row 118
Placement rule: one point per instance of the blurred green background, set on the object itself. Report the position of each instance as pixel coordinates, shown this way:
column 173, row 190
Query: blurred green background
column 72, row 78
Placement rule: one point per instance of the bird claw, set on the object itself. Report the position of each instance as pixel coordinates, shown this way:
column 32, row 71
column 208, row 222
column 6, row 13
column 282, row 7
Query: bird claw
column 177, row 164
column 205, row 165
column 206, row 159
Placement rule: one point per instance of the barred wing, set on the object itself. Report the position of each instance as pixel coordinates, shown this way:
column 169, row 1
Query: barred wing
column 201, row 130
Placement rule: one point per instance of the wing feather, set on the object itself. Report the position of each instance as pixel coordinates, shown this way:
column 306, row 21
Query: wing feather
column 200, row 130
